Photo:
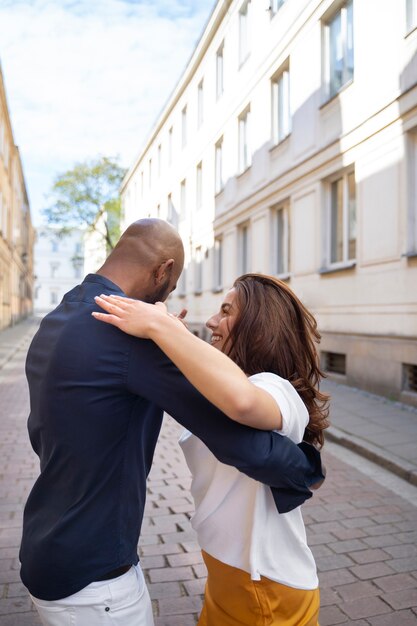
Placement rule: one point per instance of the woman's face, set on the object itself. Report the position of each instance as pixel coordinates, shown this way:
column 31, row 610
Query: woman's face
column 222, row 323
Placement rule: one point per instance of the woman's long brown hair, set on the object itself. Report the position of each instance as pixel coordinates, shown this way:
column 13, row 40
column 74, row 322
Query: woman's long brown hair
column 274, row 332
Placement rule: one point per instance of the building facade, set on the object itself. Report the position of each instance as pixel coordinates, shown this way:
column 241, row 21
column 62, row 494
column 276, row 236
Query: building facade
column 61, row 262
column 16, row 231
column 289, row 147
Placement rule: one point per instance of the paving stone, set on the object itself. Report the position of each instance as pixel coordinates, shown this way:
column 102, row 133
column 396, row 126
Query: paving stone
column 164, row 590
column 395, row 582
column 179, row 606
column 365, row 607
column 170, row 574
column 336, row 561
column 369, row 556
column 357, row 590
column 331, row 615
column 399, row 618
column 349, row 545
column 371, row 570
column 402, row 599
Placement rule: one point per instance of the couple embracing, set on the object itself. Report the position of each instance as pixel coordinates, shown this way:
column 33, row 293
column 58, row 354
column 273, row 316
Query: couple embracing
column 254, row 418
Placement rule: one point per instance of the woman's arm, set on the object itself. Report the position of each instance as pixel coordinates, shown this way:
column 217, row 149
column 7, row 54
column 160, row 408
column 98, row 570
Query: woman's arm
column 213, row 373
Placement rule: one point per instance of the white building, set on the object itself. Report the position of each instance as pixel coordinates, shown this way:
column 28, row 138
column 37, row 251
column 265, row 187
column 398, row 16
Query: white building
column 289, row 147
column 61, row 262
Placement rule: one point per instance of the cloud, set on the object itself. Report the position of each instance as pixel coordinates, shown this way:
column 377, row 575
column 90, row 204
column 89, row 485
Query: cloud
column 87, row 77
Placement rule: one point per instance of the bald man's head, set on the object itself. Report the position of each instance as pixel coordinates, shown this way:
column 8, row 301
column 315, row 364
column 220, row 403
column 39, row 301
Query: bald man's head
column 147, row 261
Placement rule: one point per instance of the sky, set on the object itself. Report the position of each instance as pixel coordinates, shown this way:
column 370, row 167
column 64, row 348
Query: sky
column 86, row 78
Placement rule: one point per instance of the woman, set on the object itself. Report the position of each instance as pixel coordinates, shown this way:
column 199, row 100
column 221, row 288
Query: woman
column 263, row 373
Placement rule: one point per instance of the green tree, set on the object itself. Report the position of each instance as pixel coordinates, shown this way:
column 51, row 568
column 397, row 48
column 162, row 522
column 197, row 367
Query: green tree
column 88, row 196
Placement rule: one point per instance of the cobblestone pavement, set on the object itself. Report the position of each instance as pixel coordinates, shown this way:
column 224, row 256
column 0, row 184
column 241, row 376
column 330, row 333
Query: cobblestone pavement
column 362, row 527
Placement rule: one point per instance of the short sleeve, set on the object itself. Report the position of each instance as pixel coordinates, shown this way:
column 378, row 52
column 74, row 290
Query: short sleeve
column 294, row 412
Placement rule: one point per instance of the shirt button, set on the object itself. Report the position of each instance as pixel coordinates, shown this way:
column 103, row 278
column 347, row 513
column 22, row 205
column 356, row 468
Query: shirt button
column 107, row 608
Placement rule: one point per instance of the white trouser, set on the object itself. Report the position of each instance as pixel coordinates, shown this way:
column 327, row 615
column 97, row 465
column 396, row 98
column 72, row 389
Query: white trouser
column 122, row 601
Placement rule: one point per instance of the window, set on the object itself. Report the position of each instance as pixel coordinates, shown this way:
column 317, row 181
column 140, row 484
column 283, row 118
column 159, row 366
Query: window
column 334, row 362
column 159, row 160
column 411, row 12
column 54, row 297
column 281, row 111
column 243, row 248
column 198, row 270
column 54, row 267
column 219, row 71
column 183, row 198
column 339, row 49
column 342, row 220
column 184, row 127
column 142, row 185
column 275, row 5
column 173, row 217
column 412, row 200
column 409, row 377
column 54, row 245
column 170, row 133
column 218, row 264
column 150, row 173
column 281, row 240
column 244, row 43
column 199, row 185
column 200, row 103
column 182, row 284
column 245, row 157
column 219, row 183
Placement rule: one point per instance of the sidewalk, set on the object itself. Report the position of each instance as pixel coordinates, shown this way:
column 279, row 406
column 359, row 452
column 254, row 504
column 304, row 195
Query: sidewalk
column 15, row 337
column 363, row 533
column 379, row 429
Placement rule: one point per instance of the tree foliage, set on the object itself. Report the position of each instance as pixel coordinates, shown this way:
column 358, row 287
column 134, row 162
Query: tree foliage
column 88, row 196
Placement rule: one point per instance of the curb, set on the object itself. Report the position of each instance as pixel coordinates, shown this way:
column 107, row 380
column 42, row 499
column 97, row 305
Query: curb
column 397, row 466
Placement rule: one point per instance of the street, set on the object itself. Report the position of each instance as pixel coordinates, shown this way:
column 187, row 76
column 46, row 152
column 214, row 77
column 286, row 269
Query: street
column 362, row 527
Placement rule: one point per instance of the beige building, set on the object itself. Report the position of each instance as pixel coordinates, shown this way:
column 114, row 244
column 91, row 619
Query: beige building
column 289, row 147
column 16, row 231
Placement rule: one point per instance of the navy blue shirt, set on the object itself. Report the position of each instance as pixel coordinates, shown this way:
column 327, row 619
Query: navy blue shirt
column 97, row 398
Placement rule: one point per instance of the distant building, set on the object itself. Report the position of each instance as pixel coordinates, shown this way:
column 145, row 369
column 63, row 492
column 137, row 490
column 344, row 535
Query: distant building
column 61, row 262
column 289, row 147
column 16, row 231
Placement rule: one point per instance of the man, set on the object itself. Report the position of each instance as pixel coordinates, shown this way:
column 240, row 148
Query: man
column 97, row 397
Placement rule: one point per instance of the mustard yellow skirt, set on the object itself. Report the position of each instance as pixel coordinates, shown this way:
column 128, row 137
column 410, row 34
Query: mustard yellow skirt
column 233, row 599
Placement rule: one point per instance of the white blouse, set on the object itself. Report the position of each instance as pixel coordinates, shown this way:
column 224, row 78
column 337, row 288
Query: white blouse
column 236, row 519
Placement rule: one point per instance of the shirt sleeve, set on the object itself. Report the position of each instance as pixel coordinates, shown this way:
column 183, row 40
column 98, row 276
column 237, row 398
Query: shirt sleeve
column 263, row 455
column 293, row 411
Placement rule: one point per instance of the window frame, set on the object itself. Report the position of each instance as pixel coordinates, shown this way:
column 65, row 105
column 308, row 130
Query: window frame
column 200, row 103
column 276, row 99
column 244, row 33
column 184, row 127
column 218, row 166
column 410, row 15
column 220, row 71
column 411, row 244
column 218, row 264
column 244, row 248
column 346, row 262
column 341, row 9
column 198, row 270
column 244, row 145
column 199, row 185
column 284, row 209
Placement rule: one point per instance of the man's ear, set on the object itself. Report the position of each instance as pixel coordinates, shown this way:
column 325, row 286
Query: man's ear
column 164, row 271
